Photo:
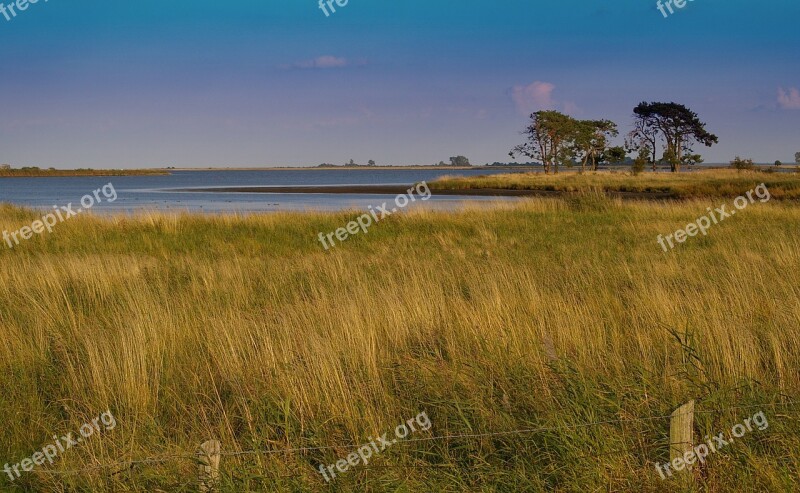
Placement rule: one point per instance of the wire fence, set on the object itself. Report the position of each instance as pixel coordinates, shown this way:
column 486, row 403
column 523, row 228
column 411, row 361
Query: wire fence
column 193, row 456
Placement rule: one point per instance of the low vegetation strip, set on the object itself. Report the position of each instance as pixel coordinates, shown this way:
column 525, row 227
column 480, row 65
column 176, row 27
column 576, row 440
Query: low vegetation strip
column 692, row 185
column 543, row 314
column 34, row 172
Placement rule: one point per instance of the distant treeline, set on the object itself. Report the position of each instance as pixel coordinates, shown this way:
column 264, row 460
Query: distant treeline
column 456, row 161
column 497, row 163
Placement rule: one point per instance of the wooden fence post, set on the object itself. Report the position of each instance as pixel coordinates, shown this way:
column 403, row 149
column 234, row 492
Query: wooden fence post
column 208, row 466
column 681, row 435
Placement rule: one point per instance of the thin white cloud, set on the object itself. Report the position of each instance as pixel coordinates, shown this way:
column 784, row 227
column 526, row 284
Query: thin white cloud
column 539, row 96
column 533, row 97
column 789, row 100
column 325, row 62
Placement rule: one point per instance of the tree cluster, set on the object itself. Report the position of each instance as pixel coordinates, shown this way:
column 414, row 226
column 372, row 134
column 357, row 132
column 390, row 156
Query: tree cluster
column 556, row 139
column 460, row 161
column 675, row 128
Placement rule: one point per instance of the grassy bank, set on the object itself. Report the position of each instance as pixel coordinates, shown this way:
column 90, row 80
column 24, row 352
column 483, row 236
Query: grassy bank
column 699, row 184
column 551, row 314
column 35, row 172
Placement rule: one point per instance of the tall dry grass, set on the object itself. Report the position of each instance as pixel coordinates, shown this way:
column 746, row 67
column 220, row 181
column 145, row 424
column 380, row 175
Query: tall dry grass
column 717, row 183
column 549, row 313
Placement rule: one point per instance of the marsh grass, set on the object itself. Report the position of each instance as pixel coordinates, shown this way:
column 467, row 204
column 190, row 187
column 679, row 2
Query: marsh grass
column 548, row 313
column 696, row 184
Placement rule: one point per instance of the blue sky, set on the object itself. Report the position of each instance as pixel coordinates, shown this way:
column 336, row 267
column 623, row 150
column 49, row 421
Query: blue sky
column 251, row 83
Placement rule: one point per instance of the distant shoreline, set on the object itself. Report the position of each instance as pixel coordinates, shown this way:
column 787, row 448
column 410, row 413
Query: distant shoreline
column 63, row 173
column 426, row 167
column 402, row 189
column 66, row 173
column 359, row 168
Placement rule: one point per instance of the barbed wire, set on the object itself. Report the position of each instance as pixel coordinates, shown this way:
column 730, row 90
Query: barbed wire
column 129, row 464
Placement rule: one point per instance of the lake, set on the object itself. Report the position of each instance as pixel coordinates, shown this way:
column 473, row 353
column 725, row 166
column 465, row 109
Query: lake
column 137, row 193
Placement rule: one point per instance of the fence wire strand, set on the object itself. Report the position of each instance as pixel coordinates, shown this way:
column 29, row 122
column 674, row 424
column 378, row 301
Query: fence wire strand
column 130, row 464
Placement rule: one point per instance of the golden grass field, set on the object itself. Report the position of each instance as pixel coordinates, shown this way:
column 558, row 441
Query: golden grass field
column 548, row 313
column 697, row 184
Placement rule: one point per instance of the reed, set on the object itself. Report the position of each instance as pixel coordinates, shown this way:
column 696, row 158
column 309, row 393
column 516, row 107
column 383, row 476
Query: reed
column 544, row 313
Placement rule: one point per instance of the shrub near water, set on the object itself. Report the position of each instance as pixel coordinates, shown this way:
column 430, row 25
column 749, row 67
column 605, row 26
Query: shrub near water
column 549, row 313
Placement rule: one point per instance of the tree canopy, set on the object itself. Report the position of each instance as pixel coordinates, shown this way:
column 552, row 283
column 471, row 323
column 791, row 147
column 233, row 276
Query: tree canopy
column 674, row 125
column 555, row 139
column 591, row 140
column 550, row 139
column 459, row 161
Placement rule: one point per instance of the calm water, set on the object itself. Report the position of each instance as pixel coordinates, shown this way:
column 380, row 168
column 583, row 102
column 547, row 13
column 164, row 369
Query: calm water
column 154, row 192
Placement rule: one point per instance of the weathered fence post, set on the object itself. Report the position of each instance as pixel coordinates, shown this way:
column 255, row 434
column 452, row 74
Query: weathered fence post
column 681, row 437
column 208, row 466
